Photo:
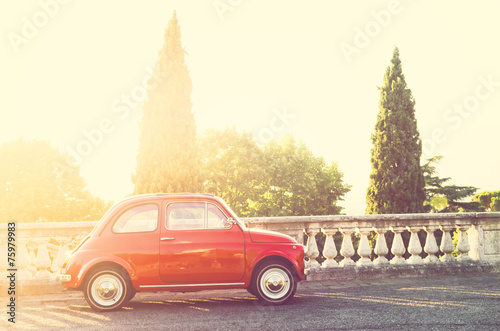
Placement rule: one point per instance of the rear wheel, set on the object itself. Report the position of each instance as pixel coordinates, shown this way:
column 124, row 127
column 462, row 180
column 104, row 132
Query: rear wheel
column 107, row 289
column 274, row 283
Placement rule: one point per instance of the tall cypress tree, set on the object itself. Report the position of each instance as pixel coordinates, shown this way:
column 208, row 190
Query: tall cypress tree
column 396, row 181
column 167, row 157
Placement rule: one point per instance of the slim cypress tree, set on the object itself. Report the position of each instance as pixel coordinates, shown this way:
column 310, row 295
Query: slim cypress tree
column 396, row 181
column 167, row 158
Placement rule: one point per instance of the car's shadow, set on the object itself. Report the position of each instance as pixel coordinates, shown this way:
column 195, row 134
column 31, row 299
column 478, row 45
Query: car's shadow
column 248, row 302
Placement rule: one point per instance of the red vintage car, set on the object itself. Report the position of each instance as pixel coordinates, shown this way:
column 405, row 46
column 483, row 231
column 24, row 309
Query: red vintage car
column 180, row 242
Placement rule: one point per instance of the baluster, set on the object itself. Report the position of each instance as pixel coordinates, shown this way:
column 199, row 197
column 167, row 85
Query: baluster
column 32, row 255
column 312, row 249
column 431, row 246
column 447, row 244
column 414, row 247
column 329, row 251
column 381, row 249
column 23, row 260
column 398, row 247
column 463, row 244
column 473, row 235
column 364, row 249
column 347, row 250
column 43, row 259
column 58, row 261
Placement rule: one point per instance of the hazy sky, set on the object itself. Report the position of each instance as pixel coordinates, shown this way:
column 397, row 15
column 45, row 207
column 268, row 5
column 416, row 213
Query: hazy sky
column 73, row 72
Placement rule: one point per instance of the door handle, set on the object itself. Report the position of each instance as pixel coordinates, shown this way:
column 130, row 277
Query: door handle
column 166, row 238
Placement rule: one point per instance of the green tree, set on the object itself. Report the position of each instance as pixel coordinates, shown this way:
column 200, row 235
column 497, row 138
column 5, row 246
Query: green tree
column 396, row 180
column 167, row 159
column 279, row 179
column 297, row 182
column 489, row 200
column 38, row 184
column 495, row 204
column 232, row 167
column 437, row 192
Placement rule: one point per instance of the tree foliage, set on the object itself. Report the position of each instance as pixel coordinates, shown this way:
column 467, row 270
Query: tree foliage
column 233, row 168
column 299, row 183
column 489, row 200
column 167, row 158
column 436, row 190
column 280, row 179
column 37, row 184
column 396, row 180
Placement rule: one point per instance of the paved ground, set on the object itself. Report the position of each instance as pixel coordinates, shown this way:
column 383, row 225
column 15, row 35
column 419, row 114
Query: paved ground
column 458, row 303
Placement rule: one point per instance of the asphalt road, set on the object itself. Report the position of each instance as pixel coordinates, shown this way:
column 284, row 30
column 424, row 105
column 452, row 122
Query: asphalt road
column 449, row 303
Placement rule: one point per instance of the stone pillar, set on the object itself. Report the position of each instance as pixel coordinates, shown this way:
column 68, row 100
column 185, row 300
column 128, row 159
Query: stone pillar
column 414, row 247
column 463, row 244
column 447, row 244
column 381, row 249
column 398, row 247
column 299, row 236
column 431, row 246
column 312, row 249
column 329, row 251
column 347, row 250
column 43, row 260
column 364, row 250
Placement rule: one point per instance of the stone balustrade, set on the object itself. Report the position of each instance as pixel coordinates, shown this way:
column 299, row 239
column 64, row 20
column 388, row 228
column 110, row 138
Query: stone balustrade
column 401, row 240
column 478, row 238
column 41, row 247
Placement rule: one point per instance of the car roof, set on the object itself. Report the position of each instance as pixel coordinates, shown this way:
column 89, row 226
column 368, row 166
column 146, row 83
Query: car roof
column 170, row 195
column 156, row 196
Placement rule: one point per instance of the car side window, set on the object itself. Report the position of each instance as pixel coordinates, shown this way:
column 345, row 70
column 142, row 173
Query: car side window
column 216, row 218
column 195, row 215
column 186, row 215
column 142, row 218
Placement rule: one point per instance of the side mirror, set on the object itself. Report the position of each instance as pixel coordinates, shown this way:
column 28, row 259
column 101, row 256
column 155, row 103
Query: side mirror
column 230, row 222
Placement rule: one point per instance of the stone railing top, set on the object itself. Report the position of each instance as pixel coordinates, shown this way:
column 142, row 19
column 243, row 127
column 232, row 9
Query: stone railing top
column 49, row 229
column 380, row 219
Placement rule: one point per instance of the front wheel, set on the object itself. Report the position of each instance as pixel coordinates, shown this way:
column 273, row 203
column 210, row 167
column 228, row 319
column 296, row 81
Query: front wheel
column 107, row 290
column 274, row 283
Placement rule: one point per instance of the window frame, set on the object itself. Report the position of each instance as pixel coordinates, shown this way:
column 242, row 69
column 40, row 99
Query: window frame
column 205, row 216
column 158, row 210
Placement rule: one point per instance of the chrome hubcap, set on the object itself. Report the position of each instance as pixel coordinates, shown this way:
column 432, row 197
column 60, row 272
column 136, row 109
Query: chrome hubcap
column 106, row 290
column 275, row 283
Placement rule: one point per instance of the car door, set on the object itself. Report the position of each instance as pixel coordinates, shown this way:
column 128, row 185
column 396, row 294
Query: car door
column 199, row 245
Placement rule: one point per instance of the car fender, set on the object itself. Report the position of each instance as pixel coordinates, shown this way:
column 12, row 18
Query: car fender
column 112, row 259
column 292, row 256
